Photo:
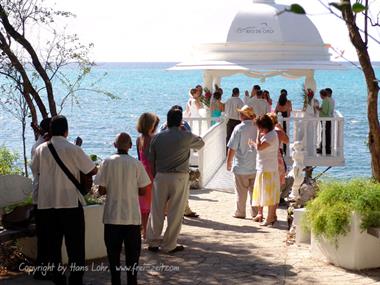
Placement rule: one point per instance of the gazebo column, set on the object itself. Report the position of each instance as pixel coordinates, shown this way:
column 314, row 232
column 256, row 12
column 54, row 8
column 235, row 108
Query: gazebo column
column 310, row 81
column 208, row 79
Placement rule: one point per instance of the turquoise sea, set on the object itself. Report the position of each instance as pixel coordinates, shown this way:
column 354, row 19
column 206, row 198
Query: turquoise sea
column 149, row 87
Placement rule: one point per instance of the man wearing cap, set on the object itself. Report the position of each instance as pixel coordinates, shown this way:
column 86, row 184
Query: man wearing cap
column 241, row 159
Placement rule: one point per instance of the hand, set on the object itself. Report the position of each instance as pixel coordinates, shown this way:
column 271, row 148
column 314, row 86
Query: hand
column 252, row 143
column 278, row 125
column 229, row 165
column 78, row 141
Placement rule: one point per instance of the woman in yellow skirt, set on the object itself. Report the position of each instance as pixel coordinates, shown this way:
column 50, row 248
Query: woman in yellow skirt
column 266, row 191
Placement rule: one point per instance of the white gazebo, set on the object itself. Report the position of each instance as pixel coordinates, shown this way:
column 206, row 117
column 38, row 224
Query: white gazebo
column 264, row 41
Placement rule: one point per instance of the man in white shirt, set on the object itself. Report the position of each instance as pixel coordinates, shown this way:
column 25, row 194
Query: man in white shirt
column 123, row 179
column 230, row 110
column 60, row 202
column 241, row 159
column 259, row 104
column 248, row 97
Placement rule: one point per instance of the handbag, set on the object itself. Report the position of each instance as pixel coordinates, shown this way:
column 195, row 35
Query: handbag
column 85, row 184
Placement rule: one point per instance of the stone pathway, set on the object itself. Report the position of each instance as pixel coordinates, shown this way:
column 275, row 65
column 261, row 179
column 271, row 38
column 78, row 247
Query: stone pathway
column 224, row 250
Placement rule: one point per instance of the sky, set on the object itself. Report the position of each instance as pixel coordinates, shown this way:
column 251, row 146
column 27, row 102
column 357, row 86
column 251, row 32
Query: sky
column 166, row 30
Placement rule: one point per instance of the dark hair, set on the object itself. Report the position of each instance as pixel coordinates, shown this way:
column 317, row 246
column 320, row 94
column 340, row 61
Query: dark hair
column 217, row 95
column 329, row 91
column 257, row 87
column 265, row 122
column 259, row 93
column 177, row 107
column 323, row 92
column 45, row 125
column 283, row 99
column 235, row 91
column 198, row 86
column 284, row 91
column 174, row 118
column 58, row 125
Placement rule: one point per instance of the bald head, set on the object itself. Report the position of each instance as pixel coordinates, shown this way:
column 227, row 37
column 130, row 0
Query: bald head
column 123, row 141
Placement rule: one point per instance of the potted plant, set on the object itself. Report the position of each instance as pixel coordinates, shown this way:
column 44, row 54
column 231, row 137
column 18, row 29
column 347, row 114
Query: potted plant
column 94, row 232
column 339, row 218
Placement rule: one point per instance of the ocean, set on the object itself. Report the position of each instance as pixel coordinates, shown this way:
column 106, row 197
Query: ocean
column 149, row 87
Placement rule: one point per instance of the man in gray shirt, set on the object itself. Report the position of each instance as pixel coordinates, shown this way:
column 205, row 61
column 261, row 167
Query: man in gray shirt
column 169, row 154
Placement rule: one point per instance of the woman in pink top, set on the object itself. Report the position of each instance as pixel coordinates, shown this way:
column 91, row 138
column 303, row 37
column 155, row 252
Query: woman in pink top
column 146, row 126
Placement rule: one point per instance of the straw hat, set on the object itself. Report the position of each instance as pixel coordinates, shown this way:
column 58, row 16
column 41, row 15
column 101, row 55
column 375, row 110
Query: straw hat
column 247, row 111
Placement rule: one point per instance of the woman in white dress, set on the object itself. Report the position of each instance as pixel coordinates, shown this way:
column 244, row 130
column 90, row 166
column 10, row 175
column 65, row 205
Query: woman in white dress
column 193, row 106
column 311, row 111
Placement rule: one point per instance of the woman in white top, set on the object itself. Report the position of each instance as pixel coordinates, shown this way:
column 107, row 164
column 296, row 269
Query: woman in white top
column 310, row 111
column 266, row 191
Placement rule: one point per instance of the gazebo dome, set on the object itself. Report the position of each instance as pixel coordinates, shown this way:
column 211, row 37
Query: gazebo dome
column 260, row 22
column 262, row 31
column 264, row 41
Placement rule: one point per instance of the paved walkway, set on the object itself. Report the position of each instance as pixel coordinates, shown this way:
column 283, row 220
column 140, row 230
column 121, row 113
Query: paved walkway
column 224, row 250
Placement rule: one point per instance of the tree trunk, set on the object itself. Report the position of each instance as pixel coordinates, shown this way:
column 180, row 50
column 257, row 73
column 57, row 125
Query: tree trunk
column 23, row 122
column 27, row 85
column 35, row 60
column 372, row 89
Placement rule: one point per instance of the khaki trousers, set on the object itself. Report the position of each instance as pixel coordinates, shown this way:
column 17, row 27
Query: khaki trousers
column 171, row 189
column 243, row 186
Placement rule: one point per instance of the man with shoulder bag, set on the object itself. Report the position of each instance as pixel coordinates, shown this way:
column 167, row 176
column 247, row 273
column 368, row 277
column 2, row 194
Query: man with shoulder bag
column 57, row 166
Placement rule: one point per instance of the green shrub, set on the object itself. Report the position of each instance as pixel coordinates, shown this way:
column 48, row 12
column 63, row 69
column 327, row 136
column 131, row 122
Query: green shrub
column 8, row 161
column 329, row 213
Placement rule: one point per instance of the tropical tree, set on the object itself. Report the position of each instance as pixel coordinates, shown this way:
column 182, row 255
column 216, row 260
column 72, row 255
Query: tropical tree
column 357, row 16
column 34, row 51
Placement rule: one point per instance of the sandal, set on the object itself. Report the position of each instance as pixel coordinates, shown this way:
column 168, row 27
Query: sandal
column 192, row 215
column 258, row 218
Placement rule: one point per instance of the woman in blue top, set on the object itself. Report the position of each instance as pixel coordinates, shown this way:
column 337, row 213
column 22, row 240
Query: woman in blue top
column 217, row 107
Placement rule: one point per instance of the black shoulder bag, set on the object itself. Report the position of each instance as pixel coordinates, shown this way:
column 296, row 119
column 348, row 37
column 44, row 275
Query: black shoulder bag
column 85, row 184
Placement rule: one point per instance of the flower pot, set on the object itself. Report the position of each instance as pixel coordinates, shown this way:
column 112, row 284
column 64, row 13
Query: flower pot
column 356, row 250
column 94, row 236
column 302, row 236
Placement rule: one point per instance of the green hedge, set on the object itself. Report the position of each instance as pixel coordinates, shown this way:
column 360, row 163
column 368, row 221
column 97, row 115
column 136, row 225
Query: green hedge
column 329, row 213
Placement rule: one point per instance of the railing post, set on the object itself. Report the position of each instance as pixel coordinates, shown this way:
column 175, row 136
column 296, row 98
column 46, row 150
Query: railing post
column 323, row 137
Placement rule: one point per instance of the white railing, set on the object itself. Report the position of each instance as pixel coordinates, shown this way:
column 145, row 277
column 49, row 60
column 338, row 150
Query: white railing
column 308, row 130
column 311, row 131
column 212, row 155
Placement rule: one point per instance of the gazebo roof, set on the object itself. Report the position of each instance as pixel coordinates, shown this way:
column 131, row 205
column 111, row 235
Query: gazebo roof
column 262, row 38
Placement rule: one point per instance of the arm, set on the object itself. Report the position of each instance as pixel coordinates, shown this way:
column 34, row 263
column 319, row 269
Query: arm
column 276, row 109
column 230, row 156
column 260, row 145
column 138, row 147
column 221, row 106
column 152, row 157
column 282, row 136
column 196, row 142
column 290, row 109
